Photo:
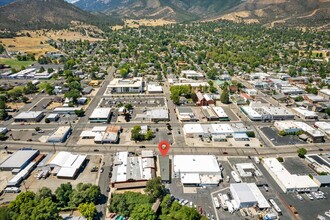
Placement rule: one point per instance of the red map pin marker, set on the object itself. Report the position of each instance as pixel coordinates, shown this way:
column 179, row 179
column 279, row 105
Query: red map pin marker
column 164, row 147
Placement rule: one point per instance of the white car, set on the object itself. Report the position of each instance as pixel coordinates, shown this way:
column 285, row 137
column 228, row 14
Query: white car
column 309, row 196
column 300, row 197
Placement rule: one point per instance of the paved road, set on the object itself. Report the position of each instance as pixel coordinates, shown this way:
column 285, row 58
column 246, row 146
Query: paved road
column 104, row 182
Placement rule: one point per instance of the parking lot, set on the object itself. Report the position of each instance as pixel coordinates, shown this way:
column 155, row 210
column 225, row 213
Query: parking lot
column 27, row 135
column 232, row 116
column 271, row 134
column 42, row 104
column 296, row 165
column 309, row 209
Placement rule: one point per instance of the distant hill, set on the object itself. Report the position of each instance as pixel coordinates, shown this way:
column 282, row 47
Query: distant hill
column 310, row 13
column 36, row 14
column 179, row 10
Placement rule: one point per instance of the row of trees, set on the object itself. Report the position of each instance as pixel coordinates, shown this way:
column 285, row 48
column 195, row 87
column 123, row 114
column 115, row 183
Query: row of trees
column 44, row 205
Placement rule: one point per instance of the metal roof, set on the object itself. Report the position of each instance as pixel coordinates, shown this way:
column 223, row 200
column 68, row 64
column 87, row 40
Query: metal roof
column 19, row 158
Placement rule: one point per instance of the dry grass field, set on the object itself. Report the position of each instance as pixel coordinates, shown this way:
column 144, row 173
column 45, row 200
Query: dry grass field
column 36, row 44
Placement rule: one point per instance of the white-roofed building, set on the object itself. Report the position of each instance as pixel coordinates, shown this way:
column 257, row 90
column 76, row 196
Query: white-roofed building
column 53, row 117
column 102, row 134
column 30, row 116
column 100, row 115
column 59, row 135
column 132, row 171
column 291, row 127
column 19, row 160
column 192, row 74
column 209, row 130
column 64, row 164
column 152, row 88
column 66, row 110
column 119, row 85
column 324, row 93
column 304, row 113
column 243, row 195
column 323, row 126
column 197, row 170
column 288, row 182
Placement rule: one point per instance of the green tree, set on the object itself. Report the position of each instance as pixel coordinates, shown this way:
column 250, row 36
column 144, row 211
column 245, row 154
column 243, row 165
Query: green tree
column 3, row 113
column 301, row 152
column 84, row 193
column 73, row 94
column 224, row 98
column 155, row 189
column 63, row 193
column 30, row 88
column 143, row 211
column 149, row 135
column 4, row 213
column 44, row 193
column 45, row 209
column 22, row 207
column 80, row 112
column 128, row 106
column 88, row 210
column 327, row 111
column 136, row 133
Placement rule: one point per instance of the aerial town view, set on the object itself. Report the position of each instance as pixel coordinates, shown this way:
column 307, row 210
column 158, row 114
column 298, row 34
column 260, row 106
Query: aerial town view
column 164, row 109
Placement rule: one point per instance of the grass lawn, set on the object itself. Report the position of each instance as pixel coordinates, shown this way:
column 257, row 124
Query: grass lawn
column 15, row 63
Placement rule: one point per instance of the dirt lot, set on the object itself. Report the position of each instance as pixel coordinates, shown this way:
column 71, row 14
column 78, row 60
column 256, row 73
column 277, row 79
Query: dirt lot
column 54, row 105
column 69, row 35
column 13, row 105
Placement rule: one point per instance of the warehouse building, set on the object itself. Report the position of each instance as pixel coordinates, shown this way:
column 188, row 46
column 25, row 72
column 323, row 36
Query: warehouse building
column 130, row 171
column 100, row 115
column 30, row 116
column 288, row 182
column 242, row 195
column 19, row 160
column 197, row 170
column 63, row 164
column 152, row 88
column 59, row 135
column 322, row 181
column 66, row 110
column 213, row 113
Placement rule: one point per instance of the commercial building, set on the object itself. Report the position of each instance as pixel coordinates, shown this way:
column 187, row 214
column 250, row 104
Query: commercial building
column 102, row 134
column 165, row 168
column 288, row 182
column 291, row 127
column 119, row 85
column 213, row 113
column 157, row 114
column 324, row 93
column 53, row 117
column 59, row 135
column 264, row 112
column 323, row 126
column 209, row 130
column 197, row 170
column 242, row 195
column 43, row 75
column 63, row 164
column 304, row 113
column 312, row 99
column 192, row 74
column 100, row 115
column 30, row 116
column 66, row 110
column 152, row 88
column 186, row 114
column 247, row 170
column 131, row 171
column 19, row 160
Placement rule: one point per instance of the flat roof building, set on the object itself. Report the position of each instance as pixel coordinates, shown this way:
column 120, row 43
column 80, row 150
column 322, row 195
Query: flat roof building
column 152, row 88
column 59, row 135
column 197, row 170
column 165, row 168
column 131, row 171
column 100, row 115
column 53, row 117
column 322, row 181
column 288, row 182
column 323, row 126
column 30, row 116
column 324, row 93
column 304, row 113
column 102, row 134
column 186, row 114
column 66, row 110
column 19, row 160
column 192, row 74
column 242, row 195
column 119, row 85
